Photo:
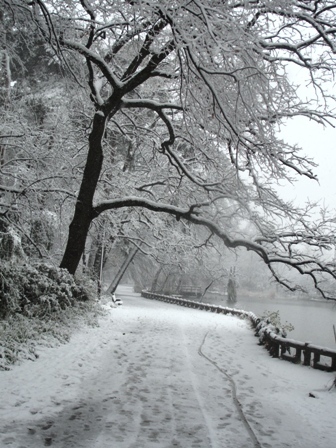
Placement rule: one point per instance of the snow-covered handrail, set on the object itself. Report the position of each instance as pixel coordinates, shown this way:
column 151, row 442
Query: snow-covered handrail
column 201, row 306
column 280, row 347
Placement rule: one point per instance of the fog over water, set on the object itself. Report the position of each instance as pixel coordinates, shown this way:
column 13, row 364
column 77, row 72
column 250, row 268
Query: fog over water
column 313, row 320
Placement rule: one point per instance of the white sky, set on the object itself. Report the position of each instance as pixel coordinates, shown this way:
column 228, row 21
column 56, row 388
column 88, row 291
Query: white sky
column 318, row 144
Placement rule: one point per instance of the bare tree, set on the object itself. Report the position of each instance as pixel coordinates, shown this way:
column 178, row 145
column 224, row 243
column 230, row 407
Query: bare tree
column 204, row 86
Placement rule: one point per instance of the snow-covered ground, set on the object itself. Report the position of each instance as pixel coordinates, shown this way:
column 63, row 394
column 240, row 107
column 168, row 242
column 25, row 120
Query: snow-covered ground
column 159, row 375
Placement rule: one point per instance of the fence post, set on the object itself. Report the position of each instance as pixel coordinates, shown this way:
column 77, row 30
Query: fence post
column 333, row 362
column 317, row 358
column 306, row 355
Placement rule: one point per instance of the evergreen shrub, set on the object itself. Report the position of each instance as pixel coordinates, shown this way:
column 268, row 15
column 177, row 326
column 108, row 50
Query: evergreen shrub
column 38, row 290
column 41, row 305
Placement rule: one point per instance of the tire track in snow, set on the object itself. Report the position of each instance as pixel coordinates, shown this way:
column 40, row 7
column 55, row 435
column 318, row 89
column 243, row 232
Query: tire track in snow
column 207, row 420
column 235, row 400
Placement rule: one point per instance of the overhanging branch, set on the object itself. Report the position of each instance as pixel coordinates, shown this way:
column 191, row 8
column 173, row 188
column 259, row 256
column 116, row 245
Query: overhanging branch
column 304, row 265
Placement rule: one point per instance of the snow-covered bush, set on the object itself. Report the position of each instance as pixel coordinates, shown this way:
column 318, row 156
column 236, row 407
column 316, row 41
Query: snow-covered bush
column 40, row 305
column 270, row 321
column 10, row 245
column 38, row 290
column 21, row 336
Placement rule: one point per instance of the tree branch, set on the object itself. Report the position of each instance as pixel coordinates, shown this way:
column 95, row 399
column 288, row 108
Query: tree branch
column 302, row 265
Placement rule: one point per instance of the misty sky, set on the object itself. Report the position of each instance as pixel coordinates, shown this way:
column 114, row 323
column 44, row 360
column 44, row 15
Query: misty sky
column 319, row 144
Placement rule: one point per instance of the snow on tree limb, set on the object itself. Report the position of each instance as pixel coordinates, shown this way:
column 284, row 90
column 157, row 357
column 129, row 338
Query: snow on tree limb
column 305, row 265
column 96, row 59
column 189, row 98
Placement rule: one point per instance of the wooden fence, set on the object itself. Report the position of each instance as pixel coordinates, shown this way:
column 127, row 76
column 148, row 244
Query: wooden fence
column 279, row 347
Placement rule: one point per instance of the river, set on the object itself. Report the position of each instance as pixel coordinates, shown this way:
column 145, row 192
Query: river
column 313, row 320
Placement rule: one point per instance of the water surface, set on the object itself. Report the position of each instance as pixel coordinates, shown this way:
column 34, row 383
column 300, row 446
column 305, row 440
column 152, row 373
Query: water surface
column 313, row 320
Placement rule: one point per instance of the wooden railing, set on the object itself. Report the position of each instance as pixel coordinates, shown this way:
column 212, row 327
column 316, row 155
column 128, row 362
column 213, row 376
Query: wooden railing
column 199, row 305
column 299, row 352
column 279, row 347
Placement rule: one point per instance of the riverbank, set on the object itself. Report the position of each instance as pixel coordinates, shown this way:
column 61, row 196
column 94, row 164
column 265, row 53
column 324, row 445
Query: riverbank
column 158, row 375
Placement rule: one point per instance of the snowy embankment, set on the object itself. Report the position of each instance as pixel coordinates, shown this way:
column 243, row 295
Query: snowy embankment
column 158, row 375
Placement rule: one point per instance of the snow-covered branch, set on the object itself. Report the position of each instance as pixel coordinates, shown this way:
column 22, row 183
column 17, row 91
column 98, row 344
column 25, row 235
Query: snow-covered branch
column 305, row 265
column 97, row 60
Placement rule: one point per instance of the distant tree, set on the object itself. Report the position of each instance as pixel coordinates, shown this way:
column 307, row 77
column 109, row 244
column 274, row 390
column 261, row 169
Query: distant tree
column 199, row 90
column 232, row 286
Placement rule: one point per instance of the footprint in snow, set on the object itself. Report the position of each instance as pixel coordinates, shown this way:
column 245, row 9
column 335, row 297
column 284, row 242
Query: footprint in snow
column 47, row 425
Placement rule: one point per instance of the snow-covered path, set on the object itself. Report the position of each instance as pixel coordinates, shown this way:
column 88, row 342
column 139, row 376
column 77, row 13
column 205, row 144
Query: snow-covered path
column 158, row 375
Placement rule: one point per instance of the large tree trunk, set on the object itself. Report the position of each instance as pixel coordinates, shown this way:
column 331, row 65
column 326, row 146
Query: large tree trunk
column 80, row 224
column 95, row 256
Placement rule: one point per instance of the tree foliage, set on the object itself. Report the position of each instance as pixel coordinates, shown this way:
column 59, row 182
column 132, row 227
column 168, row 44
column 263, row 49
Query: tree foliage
column 187, row 100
